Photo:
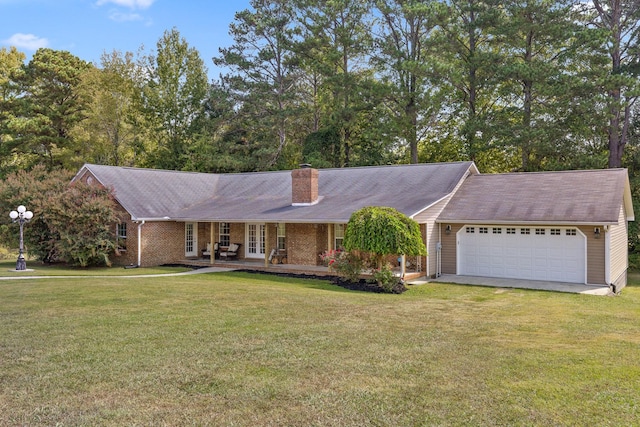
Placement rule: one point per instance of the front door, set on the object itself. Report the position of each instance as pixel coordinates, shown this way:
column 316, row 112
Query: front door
column 255, row 240
column 190, row 239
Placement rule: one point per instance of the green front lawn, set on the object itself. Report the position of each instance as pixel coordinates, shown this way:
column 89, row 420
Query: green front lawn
column 7, row 269
column 238, row 349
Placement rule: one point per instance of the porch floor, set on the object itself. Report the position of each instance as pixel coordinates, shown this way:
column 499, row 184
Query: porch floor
column 258, row 265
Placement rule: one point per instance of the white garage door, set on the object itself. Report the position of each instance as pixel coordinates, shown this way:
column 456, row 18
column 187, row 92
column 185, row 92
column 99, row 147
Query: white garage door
column 554, row 254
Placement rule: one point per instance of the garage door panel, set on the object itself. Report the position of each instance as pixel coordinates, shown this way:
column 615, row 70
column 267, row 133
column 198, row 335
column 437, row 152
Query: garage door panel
column 527, row 253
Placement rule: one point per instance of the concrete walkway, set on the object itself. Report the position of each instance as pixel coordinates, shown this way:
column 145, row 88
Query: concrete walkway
column 518, row 284
column 25, row 275
column 445, row 278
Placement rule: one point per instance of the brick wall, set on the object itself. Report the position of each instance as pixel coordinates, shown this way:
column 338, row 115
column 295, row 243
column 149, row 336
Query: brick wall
column 204, row 236
column 236, row 235
column 304, row 185
column 305, row 242
column 130, row 255
column 162, row 243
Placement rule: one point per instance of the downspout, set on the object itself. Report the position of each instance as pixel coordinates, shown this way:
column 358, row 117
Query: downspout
column 426, row 245
column 140, row 224
column 607, row 256
column 439, row 252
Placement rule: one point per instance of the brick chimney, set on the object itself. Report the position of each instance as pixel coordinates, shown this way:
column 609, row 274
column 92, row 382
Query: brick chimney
column 304, row 186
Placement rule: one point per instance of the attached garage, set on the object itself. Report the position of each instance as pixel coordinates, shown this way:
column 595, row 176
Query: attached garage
column 569, row 226
column 538, row 253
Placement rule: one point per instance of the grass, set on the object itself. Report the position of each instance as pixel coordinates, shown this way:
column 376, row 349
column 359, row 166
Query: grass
column 7, row 269
column 234, row 349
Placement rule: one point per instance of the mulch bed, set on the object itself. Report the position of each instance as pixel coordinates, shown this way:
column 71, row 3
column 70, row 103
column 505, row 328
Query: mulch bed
column 361, row 285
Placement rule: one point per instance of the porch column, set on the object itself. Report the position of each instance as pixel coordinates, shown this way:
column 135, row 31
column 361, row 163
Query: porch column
column 266, row 245
column 212, row 256
column 329, row 232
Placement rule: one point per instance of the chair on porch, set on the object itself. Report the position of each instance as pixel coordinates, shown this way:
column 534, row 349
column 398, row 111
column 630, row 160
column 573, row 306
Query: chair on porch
column 206, row 253
column 231, row 252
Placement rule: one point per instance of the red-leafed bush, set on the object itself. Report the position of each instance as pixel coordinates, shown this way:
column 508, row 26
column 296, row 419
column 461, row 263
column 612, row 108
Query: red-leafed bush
column 73, row 223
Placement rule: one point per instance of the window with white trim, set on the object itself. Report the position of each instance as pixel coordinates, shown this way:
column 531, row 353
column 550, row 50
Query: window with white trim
column 511, row 231
column 525, row 231
column 121, row 236
column 470, row 230
column 224, row 234
column 281, row 237
column 570, row 232
column 554, row 232
column 483, row 230
column 497, row 230
column 338, row 235
column 540, row 231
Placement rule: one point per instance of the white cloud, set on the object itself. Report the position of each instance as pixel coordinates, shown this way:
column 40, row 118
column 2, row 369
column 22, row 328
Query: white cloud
column 27, row 41
column 124, row 17
column 131, row 4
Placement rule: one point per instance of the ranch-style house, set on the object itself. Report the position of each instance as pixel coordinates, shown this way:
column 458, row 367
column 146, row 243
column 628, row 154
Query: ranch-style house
column 568, row 226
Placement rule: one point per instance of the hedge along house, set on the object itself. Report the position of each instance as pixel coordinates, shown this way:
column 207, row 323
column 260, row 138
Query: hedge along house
column 568, row 226
column 169, row 216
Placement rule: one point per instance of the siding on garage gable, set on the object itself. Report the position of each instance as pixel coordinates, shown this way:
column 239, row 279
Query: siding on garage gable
column 618, row 238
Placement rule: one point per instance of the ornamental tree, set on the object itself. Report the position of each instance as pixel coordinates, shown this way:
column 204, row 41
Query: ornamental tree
column 383, row 231
column 71, row 222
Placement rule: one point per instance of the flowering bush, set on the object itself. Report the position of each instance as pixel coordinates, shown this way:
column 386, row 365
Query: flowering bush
column 329, row 258
column 346, row 264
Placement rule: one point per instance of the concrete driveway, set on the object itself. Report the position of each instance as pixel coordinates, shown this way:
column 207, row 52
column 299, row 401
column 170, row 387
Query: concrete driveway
column 520, row 284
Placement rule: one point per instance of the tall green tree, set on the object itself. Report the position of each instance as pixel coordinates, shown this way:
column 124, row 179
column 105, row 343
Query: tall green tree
column 404, row 58
column 468, row 58
column 264, row 76
column 540, row 89
column 50, row 105
column 619, row 21
column 11, row 61
column 114, row 131
column 336, row 46
column 173, row 97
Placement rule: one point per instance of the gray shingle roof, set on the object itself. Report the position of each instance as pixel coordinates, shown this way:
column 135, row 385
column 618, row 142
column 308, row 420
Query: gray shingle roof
column 588, row 196
column 152, row 193
column 266, row 196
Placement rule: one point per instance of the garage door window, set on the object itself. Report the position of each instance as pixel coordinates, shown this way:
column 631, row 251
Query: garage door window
column 540, row 231
column 497, row 230
column 525, row 231
column 470, row 230
column 555, row 231
column 483, row 230
column 571, row 232
column 511, row 231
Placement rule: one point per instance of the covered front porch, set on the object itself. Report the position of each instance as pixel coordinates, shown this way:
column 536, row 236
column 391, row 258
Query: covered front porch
column 259, row 265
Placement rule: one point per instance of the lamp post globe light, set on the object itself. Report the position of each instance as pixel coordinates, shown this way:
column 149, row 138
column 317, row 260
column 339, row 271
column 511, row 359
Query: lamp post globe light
column 21, row 215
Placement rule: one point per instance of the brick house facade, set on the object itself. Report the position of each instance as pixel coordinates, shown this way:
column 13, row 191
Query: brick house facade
column 472, row 224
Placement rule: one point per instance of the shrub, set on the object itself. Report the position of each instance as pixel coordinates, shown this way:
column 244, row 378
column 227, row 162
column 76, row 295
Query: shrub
column 345, row 264
column 383, row 231
column 71, row 222
column 385, row 278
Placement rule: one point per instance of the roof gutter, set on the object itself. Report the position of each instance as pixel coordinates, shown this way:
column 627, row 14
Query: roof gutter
column 165, row 219
column 499, row 221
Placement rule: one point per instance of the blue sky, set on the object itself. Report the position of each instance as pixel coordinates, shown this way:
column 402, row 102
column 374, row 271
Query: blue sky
column 87, row 28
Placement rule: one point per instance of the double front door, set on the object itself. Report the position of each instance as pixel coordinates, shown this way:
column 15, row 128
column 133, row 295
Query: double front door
column 255, row 240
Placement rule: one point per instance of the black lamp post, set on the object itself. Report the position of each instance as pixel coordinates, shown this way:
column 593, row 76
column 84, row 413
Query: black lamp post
column 21, row 215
